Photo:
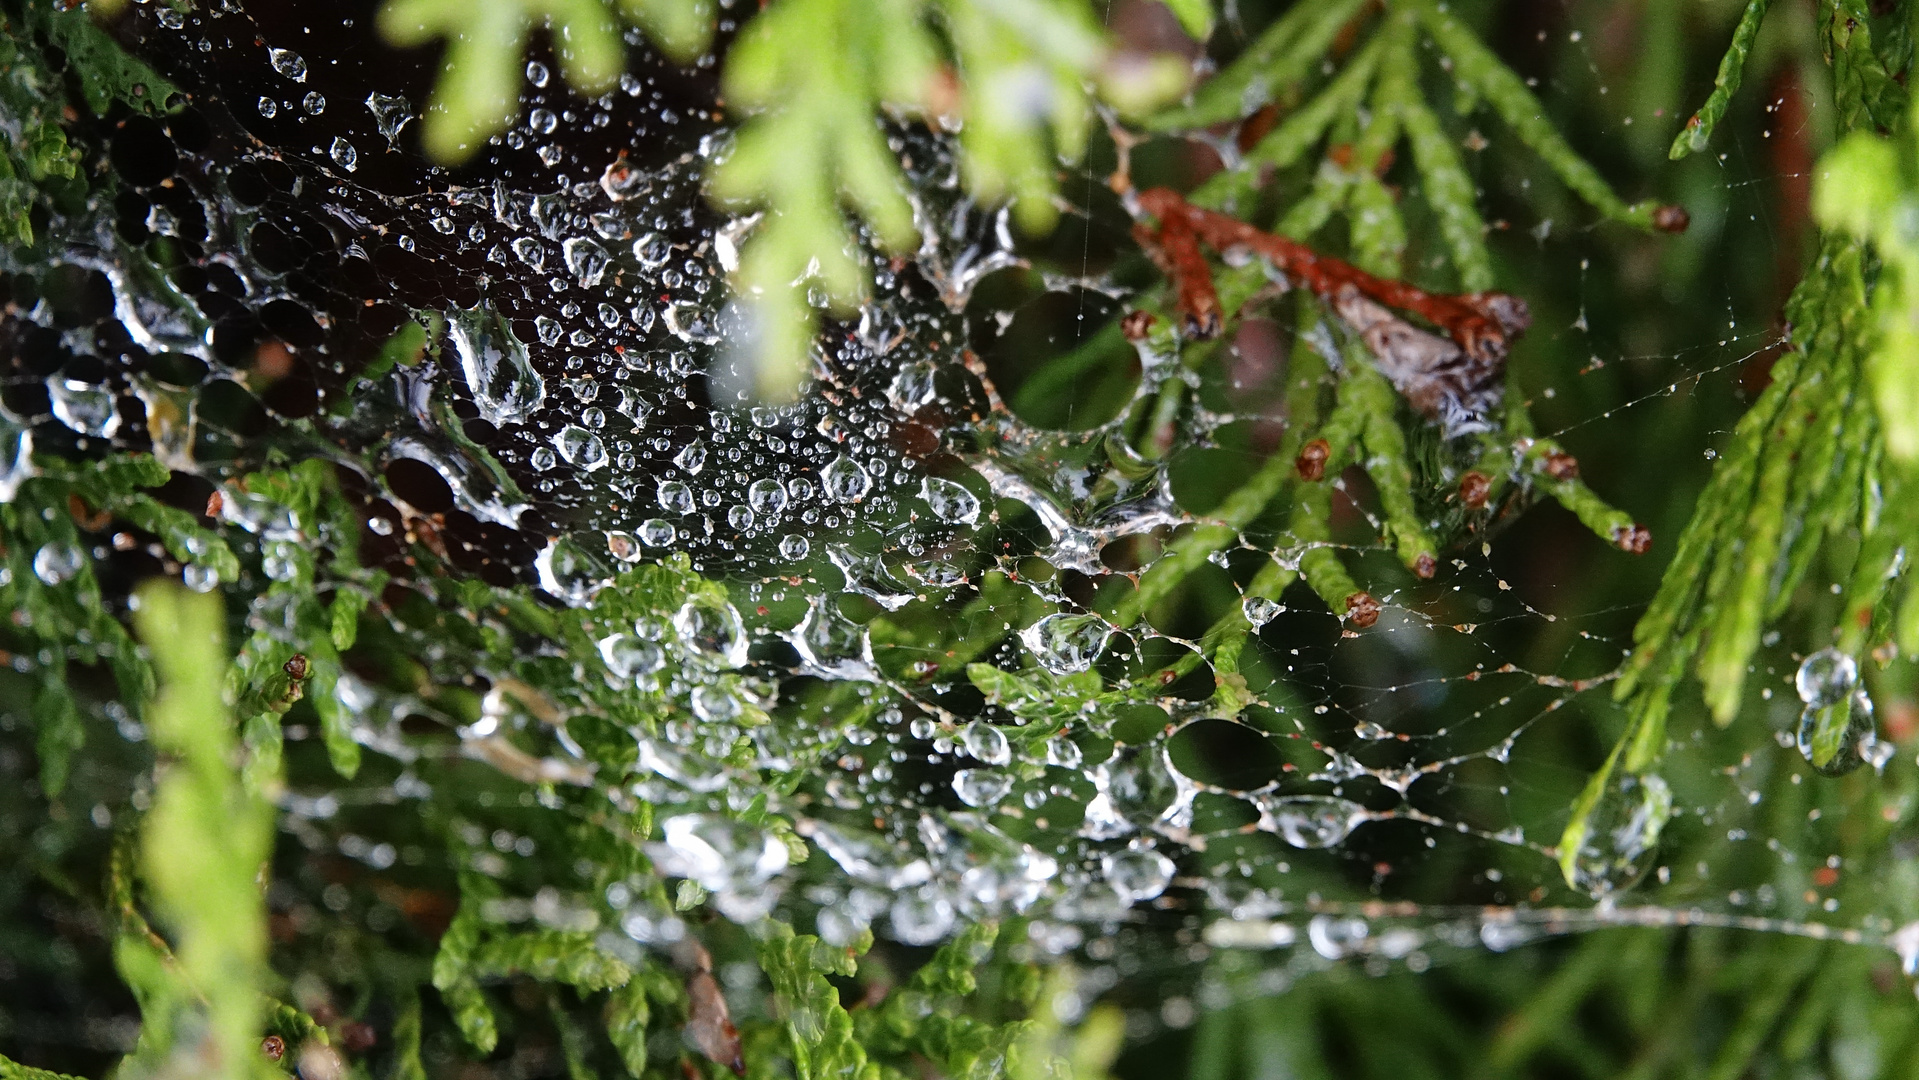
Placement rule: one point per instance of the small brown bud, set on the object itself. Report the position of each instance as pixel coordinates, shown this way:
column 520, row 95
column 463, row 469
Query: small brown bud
column 1311, row 461
column 1474, row 489
column 274, row 1047
column 214, row 502
column 297, row 667
column 1561, row 466
column 1671, row 219
column 1137, row 324
column 1362, row 610
column 1634, row 538
column 1425, row 566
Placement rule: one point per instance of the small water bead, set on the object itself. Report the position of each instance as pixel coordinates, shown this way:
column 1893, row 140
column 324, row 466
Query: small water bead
column 675, row 497
column 533, row 253
column 981, row 788
column 714, row 629
column 542, row 121
column 1065, row 753
column 986, row 742
column 314, row 103
column 800, row 488
column 657, row 532
column 913, row 387
column 739, row 517
column 1137, row 875
column 652, row 250
column 55, row 563
column 269, row 108
column 627, row 655
column 536, row 73
column 346, row 157
column 581, row 447
column 544, row 459
column 950, row 501
column 288, row 63
column 794, row 546
column 1066, row 644
column 723, row 855
column 501, row 379
column 594, row 418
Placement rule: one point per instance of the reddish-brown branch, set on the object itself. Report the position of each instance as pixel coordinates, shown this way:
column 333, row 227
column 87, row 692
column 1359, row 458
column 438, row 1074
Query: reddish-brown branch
column 1481, row 323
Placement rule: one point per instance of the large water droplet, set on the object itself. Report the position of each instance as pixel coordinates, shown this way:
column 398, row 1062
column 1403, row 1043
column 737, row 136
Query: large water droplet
column 981, row 787
column 766, row 497
column 586, row 258
column 1137, row 875
column 845, row 480
column 1066, row 644
column 986, row 742
column 714, row 629
column 288, row 63
column 1839, row 736
column 868, row 858
column 84, row 407
column 391, row 112
column 921, row 917
column 627, row 655
column 343, row 154
column 1309, row 821
column 55, row 563
column 505, row 388
column 721, row 854
column 1622, row 833
column 1827, row 677
column 581, row 447
column 950, row 501
column 675, row 497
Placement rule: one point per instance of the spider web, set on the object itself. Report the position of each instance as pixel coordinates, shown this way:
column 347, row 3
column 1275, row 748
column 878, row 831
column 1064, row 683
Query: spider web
column 1388, row 792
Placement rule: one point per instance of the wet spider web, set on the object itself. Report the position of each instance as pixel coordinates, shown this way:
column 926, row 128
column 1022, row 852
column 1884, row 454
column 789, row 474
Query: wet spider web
column 922, row 562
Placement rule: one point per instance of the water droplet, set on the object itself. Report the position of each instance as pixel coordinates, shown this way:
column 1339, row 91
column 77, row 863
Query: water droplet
column 692, row 457
column 950, row 501
column 986, row 742
column 623, row 546
column 536, row 73
column 1837, row 737
column 913, row 386
column 505, row 387
column 921, row 917
column 690, row 324
column 314, row 103
column 1259, row 610
column 621, row 181
column 714, row 629
column 391, row 113
column 766, row 497
column 55, row 563
column 1622, row 833
column 84, row 407
column 794, row 546
column 845, row 480
column 723, row 855
column 581, row 447
column 652, row 250
column 657, row 532
column 1309, row 821
column 542, row 121
column 586, row 258
column 981, row 787
column 739, row 517
column 269, row 107
column 627, row 655
column 1137, row 875
column 715, row 704
column 1336, row 937
column 1064, row 753
column 288, row 63
column 1066, row 644
column 868, row 858
column 1827, row 677
column 343, row 154
column 675, row 497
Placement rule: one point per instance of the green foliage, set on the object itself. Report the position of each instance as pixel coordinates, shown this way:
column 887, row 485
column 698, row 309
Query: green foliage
column 204, row 841
column 477, row 93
